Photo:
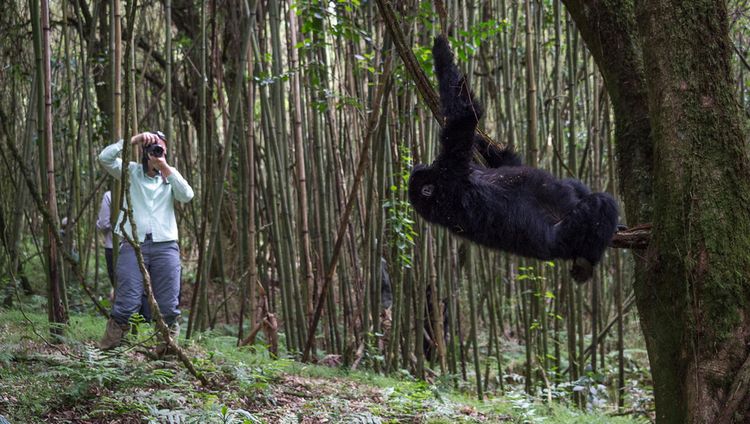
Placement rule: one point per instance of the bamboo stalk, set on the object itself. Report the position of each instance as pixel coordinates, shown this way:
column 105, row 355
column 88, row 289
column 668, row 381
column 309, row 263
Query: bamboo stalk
column 56, row 285
column 371, row 126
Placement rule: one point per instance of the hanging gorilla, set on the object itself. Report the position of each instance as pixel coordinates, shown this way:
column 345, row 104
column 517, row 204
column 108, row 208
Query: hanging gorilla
column 505, row 206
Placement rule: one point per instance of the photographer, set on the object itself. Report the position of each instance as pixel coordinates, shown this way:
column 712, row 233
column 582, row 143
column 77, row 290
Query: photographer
column 154, row 186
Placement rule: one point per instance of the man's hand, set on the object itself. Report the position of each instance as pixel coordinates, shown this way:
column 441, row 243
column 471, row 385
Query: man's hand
column 144, row 139
column 160, row 164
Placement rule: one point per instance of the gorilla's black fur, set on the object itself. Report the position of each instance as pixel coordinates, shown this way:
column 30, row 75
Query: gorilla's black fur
column 505, row 206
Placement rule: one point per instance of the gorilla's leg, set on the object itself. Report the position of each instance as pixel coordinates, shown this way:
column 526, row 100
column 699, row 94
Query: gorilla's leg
column 580, row 188
column 586, row 231
column 494, row 155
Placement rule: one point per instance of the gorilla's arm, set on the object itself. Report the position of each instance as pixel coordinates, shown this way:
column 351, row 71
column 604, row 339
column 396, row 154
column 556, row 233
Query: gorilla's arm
column 461, row 112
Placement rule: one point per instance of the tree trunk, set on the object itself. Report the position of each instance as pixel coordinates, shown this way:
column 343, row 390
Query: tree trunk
column 698, row 256
column 690, row 177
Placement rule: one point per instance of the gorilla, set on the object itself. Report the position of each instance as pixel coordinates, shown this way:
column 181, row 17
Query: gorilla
column 505, row 206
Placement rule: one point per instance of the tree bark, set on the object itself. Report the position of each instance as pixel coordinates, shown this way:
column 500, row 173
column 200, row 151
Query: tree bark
column 698, row 255
column 683, row 165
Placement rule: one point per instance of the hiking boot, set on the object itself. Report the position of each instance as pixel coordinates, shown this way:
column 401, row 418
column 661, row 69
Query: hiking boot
column 113, row 335
column 162, row 348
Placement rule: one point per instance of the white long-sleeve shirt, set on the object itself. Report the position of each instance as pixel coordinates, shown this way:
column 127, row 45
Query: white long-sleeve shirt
column 103, row 222
column 152, row 197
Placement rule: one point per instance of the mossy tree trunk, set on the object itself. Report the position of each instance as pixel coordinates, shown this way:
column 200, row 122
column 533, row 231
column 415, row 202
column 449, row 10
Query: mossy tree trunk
column 683, row 166
column 699, row 254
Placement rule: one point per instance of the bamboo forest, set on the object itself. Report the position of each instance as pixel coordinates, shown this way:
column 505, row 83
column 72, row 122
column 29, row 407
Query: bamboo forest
column 374, row 211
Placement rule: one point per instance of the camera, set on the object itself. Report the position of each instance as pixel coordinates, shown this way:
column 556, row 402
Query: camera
column 154, row 150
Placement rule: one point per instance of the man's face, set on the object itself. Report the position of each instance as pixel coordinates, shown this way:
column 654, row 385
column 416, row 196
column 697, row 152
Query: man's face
column 155, row 162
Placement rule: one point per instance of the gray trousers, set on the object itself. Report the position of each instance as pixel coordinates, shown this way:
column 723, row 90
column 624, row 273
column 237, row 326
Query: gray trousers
column 110, row 267
column 162, row 261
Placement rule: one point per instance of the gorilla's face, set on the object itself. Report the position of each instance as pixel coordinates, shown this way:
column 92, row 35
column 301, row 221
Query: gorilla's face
column 424, row 190
column 427, row 190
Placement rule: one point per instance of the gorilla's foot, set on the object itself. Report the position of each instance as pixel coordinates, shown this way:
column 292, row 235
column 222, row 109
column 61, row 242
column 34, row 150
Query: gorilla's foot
column 582, row 270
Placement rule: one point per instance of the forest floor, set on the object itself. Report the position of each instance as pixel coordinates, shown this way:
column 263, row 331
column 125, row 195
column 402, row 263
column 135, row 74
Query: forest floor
column 73, row 382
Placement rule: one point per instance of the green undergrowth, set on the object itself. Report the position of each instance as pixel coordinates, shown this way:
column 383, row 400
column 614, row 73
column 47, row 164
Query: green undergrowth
column 72, row 381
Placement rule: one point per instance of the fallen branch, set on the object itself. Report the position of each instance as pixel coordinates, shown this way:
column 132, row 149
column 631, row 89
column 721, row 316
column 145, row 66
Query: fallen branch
column 132, row 238
column 266, row 322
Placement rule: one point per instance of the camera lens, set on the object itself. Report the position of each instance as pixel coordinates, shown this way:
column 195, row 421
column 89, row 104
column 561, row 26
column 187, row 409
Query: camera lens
column 155, row 150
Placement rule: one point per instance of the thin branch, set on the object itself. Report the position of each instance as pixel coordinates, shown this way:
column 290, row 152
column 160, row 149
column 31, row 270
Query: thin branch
column 442, row 14
column 33, row 327
column 741, row 56
column 88, row 200
column 132, row 238
column 161, row 325
column 587, row 353
column 55, row 231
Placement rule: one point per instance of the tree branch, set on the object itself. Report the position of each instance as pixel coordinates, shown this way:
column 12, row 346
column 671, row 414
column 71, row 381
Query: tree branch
column 55, row 231
column 637, row 237
column 424, row 87
column 161, row 325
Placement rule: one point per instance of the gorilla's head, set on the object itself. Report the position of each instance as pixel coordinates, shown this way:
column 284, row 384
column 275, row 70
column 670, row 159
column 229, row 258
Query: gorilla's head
column 424, row 191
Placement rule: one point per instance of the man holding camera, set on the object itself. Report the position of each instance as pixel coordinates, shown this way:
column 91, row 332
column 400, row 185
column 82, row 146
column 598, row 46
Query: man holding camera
column 154, row 186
